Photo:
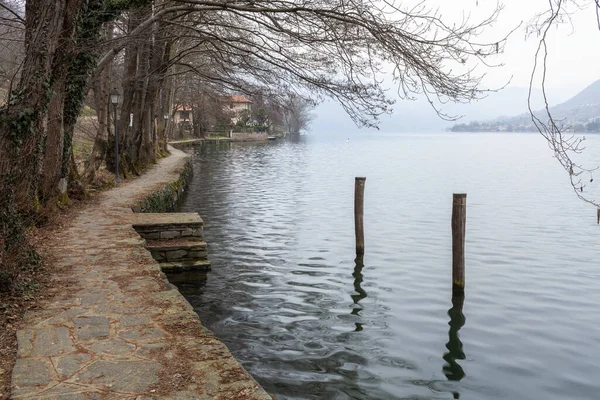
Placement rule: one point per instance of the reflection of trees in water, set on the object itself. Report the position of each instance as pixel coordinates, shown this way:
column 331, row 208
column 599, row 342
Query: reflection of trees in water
column 361, row 294
column 452, row 369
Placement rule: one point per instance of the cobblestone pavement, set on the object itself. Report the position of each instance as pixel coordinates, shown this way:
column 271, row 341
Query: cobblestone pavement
column 115, row 328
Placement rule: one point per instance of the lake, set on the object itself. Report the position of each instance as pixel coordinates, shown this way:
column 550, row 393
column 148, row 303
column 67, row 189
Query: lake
column 286, row 296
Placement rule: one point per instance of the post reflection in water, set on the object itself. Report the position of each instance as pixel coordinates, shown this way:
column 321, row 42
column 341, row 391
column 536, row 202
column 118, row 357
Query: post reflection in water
column 361, row 294
column 452, row 369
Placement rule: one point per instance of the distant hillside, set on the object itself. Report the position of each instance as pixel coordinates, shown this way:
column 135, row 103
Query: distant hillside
column 581, row 113
column 419, row 116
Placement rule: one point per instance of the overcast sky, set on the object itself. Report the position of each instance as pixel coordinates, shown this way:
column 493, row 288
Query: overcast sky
column 574, row 50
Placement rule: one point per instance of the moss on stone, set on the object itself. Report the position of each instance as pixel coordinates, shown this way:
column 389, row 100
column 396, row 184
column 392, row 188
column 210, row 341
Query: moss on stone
column 168, row 198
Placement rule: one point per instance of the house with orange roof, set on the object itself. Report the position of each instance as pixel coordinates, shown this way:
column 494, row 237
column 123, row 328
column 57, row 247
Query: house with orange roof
column 183, row 114
column 238, row 103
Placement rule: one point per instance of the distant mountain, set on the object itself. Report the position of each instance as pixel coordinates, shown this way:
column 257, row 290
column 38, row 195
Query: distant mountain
column 419, row 116
column 581, row 113
column 589, row 95
column 506, row 102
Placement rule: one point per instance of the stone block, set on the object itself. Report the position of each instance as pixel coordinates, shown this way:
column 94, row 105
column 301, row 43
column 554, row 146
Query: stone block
column 113, row 347
column 92, row 299
column 187, row 395
column 29, row 372
column 150, row 220
column 142, row 334
column 124, row 376
column 65, row 317
column 66, row 391
column 70, row 364
column 44, row 342
column 176, row 255
column 170, row 234
column 187, row 232
column 192, row 265
column 147, row 350
column 196, row 255
column 87, row 328
column 159, row 255
column 24, row 342
column 135, row 320
column 151, row 236
column 197, row 232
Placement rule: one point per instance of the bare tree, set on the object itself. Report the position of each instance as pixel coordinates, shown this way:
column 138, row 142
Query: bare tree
column 565, row 145
column 297, row 114
column 12, row 31
column 337, row 48
column 100, row 84
column 37, row 121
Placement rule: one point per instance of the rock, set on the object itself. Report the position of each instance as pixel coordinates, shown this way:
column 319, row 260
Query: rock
column 112, row 346
column 176, row 255
column 200, row 254
column 87, row 328
column 70, row 364
column 142, row 334
column 170, row 234
column 29, row 372
column 135, row 320
column 126, row 376
column 44, row 342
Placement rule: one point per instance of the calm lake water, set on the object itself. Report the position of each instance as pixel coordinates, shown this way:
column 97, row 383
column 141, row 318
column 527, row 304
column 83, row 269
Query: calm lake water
column 309, row 323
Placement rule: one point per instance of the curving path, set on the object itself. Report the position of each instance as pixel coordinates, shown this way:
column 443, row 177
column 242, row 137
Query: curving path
column 115, row 328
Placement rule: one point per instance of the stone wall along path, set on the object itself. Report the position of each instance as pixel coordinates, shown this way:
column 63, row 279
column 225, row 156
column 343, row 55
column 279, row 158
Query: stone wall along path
column 114, row 328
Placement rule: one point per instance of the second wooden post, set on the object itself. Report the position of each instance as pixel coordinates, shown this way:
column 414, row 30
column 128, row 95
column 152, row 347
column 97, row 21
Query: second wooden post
column 459, row 219
column 359, row 208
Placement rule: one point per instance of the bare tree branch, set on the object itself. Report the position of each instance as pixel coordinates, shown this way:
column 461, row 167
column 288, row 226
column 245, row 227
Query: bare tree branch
column 16, row 16
column 564, row 145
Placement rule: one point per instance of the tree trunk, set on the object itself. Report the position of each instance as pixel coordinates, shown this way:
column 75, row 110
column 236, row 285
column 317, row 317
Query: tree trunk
column 197, row 124
column 78, row 76
column 22, row 119
column 52, row 161
column 130, row 97
column 101, row 88
column 145, row 68
column 51, row 170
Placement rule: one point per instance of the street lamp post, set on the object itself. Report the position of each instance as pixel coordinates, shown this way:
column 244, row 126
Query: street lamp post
column 115, row 96
column 165, row 126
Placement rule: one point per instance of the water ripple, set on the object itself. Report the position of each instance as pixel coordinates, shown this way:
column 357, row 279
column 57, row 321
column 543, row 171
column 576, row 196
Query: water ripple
column 309, row 323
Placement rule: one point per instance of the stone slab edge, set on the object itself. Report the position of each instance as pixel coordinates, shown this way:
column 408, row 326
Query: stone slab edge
column 82, row 345
column 174, row 191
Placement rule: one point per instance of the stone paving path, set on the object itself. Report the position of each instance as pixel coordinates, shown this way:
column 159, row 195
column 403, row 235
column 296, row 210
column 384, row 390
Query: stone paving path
column 115, row 328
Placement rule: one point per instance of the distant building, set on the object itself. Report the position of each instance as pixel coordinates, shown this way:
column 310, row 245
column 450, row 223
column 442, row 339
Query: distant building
column 238, row 104
column 183, row 114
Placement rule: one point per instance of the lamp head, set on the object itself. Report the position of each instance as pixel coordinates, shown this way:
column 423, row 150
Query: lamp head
column 115, row 97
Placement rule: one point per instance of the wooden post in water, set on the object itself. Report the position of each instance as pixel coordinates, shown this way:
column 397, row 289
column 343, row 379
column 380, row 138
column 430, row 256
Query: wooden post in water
column 459, row 219
column 359, row 208
column 598, row 212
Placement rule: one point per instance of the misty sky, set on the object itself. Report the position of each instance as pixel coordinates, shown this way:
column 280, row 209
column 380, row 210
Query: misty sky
column 574, row 52
column 573, row 57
